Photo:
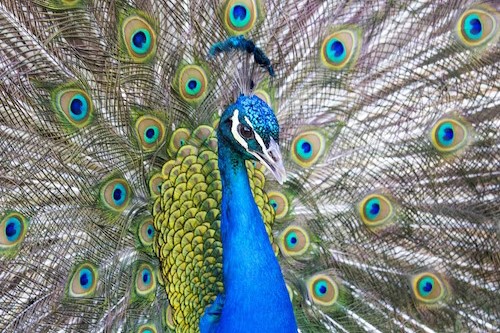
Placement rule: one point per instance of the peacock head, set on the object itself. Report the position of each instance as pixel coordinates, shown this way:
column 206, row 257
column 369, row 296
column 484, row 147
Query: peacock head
column 250, row 129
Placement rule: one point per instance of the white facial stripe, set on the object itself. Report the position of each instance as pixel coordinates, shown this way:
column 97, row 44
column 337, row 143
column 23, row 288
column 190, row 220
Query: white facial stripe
column 270, row 157
column 234, row 130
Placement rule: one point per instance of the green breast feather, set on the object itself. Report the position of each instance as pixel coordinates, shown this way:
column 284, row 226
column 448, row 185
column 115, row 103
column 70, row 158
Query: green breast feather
column 187, row 214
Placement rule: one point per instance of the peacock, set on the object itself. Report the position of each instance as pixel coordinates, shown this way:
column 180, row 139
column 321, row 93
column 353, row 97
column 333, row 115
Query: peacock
column 249, row 166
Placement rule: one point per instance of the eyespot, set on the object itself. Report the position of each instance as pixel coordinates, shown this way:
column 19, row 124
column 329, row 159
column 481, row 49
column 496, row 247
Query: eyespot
column 150, row 131
column 13, row 230
column 375, row 210
column 322, row 290
column 294, row 241
column 155, row 183
column 147, row 232
column 84, row 281
column 279, row 202
column 139, row 38
column 339, row 50
column 449, row 135
column 240, row 16
column 475, row 27
column 147, row 329
column 307, row 148
column 193, row 83
column 145, row 280
column 116, row 194
column 245, row 132
column 75, row 106
column 179, row 138
column 428, row 288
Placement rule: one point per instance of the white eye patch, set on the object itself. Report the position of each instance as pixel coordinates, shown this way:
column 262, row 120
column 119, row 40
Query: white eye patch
column 235, row 121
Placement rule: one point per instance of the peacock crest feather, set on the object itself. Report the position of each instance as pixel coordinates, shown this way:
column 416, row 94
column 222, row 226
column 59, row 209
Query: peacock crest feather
column 143, row 149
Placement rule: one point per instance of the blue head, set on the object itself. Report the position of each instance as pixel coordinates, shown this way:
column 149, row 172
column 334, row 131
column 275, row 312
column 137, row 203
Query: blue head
column 250, row 129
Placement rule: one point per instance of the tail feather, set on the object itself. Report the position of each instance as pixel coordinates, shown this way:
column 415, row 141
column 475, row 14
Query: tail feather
column 388, row 115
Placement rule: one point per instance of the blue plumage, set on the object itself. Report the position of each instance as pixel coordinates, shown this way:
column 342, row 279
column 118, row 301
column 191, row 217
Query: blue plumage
column 255, row 298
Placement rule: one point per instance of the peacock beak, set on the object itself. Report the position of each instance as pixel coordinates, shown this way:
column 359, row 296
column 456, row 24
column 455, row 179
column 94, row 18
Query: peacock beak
column 271, row 158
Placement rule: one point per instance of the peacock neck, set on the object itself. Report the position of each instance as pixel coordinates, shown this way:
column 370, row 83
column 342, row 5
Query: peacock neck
column 255, row 291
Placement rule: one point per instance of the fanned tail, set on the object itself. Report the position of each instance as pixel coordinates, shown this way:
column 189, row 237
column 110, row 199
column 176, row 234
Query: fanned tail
column 389, row 129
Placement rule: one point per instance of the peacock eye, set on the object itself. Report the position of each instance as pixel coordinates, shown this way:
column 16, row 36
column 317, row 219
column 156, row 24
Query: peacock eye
column 294, row 241
column 145, row 281
column 116, row 194
column 240, row 15
column 476, row 27
column 155, row 185
column 139, row 38
column 279, row 203
column 147, row 232
column 75, row 106
column 193, row 83
column 245, row 132
column 150, row 132
column 12, row 230
column 429, row 288
column 84, row 281
column 449, row 135
column 323, row 290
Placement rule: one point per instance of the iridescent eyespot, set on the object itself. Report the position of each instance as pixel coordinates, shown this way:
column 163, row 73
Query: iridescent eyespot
column 193, row 83
column 150, row 131
column 240, row 16
column 294, row 241
column 476, row 27
column 375, row 210
column 279, row 203
column 323, row 290
column 84, row 281
column 307, row 148
column 139, row 38
column 449, row 135
column 13, row 230
column 116, row 194
column 179, row 138
column 75, row 106
column 145, row 281
column 155, row 183
column 147, row 232
column 147, row 329
column 340, row 49
column 428, row 288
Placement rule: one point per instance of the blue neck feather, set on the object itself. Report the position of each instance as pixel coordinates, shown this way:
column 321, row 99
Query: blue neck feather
column 256, row 298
